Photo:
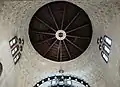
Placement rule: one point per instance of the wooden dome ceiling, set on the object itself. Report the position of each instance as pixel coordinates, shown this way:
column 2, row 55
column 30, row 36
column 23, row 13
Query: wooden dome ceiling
column 60, row 31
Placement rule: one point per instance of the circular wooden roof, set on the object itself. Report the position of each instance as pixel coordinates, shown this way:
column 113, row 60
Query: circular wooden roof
column 60, row 31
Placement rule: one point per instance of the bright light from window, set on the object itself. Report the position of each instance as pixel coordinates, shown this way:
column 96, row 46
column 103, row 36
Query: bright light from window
column 54, row 82
column 61, row 83
column 17, row 57
column 43, row 81
column 86, row 85
column 37, row 85
column 69, row 77
column 69, row 82
column 48, row 78
column 13, row 41
column 101, row 39
column 81, row 82
column 108, row 40
column 106, row 49
column 65, row 82
column 14, row 50
column 105, row 57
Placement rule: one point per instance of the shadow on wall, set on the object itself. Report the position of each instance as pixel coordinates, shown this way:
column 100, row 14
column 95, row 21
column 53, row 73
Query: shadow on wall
column 1, row 68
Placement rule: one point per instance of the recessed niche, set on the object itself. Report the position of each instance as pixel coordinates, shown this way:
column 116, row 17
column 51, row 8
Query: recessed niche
column 60, row 31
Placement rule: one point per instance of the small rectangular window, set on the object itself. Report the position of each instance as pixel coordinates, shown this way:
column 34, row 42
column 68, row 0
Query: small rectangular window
column 53, row 82
column 13, row 41
column 107, row 40
column 69, row 82
column 106, row 49
column 17, row 57
column 105, row 57
column 15, row 50
column 61, row 83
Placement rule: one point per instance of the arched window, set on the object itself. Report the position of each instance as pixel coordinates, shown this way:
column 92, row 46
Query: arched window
column 62, row 81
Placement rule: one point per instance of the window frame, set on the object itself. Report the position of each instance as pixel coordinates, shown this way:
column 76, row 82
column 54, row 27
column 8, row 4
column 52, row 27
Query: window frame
column 104, row 57
column 15, row 51
column 18, row 54
column 13, row 44
column 105, row 36
column 103, row 47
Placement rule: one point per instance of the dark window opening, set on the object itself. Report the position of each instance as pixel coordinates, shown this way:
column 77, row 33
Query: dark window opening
column 1, row 68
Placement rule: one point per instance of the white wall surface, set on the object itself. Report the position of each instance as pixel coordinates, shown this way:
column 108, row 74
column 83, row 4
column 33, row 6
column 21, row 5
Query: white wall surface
column 14, row 19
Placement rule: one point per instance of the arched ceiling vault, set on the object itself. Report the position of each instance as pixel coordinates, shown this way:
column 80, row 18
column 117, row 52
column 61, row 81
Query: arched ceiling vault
column 15, row 17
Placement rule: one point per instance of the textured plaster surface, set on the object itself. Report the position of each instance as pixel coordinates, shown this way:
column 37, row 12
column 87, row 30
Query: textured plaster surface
column 104, row 14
